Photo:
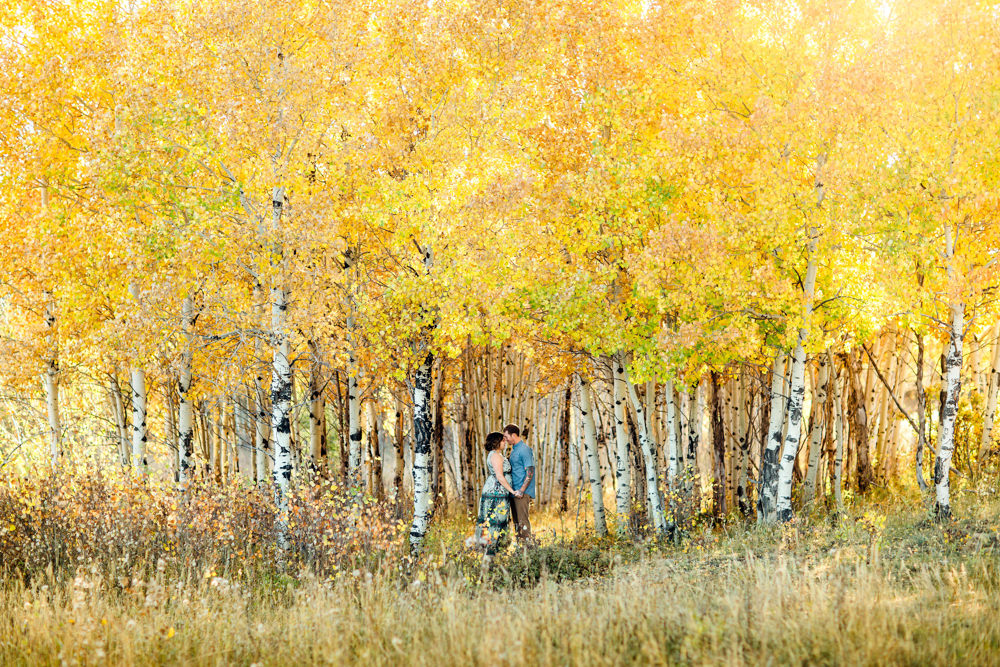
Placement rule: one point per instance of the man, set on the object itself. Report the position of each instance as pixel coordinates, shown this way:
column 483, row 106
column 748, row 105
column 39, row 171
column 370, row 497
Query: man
column 522, row 472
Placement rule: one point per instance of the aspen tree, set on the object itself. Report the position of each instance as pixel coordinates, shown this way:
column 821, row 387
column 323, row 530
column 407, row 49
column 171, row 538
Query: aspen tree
column 593, row 460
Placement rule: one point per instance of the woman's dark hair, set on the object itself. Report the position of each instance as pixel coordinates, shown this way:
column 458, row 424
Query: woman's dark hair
column 493, row 441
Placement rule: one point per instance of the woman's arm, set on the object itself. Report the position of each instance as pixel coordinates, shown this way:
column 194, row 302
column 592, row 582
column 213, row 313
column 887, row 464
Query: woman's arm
column 497, row 465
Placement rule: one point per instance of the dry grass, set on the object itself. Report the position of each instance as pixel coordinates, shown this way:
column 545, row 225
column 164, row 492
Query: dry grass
column 875, row 588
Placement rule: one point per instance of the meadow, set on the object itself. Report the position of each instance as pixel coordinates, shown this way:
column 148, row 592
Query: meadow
column 882, row 583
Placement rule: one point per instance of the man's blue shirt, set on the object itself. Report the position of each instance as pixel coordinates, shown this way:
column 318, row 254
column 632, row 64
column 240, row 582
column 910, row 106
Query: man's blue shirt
column 522, row 458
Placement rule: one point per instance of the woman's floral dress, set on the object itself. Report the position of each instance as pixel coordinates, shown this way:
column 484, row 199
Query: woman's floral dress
column 494, row 508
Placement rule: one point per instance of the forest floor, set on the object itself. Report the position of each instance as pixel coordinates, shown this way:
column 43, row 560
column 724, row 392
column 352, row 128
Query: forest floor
column 884, row 584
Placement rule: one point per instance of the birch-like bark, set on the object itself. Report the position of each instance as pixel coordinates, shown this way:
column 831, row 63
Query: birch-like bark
column 422, row 424
column 261, row 408
column 623, row 482
column 745, row 425
column 838, row 432
column 137, row 381
column 593, row 461
column 353, row 393
column 281, row 400
column 281, row 386
column 51, row 380
column 953, row 379
column 353, row 423
column 656, row 517
column 185, row 419
column 767, row 500
column 262, row 433
column 672, row 465
column 798, row 391
column 991, row 400
column 681, row 411
column 697, row 401
column 317, row 410
column 397, row 479
column 817, row 429
column 652, row 423
column 762, row 420
column 727, row 457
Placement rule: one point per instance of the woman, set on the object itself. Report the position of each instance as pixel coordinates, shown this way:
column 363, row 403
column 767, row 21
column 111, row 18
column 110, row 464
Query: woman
column 494, row 503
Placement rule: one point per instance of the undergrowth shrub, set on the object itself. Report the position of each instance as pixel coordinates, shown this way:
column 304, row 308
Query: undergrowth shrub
column 115, row 523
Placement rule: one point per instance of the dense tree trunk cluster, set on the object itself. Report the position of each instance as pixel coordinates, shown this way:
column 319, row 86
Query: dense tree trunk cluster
column 650, row 453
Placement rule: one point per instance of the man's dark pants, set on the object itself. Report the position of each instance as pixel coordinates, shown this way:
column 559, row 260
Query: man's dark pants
column 522, row 523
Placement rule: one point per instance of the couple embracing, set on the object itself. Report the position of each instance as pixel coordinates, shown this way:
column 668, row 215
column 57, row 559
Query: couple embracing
column 508, row 491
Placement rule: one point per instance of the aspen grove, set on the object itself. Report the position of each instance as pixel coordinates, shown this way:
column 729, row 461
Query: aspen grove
column 717, row 259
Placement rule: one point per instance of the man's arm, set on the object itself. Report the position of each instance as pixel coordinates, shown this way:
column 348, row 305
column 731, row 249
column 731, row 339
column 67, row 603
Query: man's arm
column 529, row 472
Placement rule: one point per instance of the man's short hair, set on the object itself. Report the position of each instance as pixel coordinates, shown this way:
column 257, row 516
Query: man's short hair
column 510, row 429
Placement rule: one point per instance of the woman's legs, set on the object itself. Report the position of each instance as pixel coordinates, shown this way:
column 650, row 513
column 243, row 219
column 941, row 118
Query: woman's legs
column 497, row 522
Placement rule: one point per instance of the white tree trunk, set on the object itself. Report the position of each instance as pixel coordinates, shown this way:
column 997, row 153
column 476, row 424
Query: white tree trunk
column 818, row 429
column 946, row 432
column 768, row 491
column 682, row 412
column 422, row 495
column 797, row 393
column 697, row 403
column 353, row 393
column 139, row 435
column 138, row 384
column 918, row 467
column 353, row 423
column 281, row 388
column 623, row 467
column 672, row 466
column 953, row 385
column 656, row 518
column 262, row 412
column 593, row 460
column 185, row 419
column 991, row 399
column 744, row 428
column 281, row 400
column 838, row 433
column 52, row 381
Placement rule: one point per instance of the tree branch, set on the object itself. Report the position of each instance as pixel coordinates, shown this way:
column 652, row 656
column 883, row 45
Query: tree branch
column 889, row 389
